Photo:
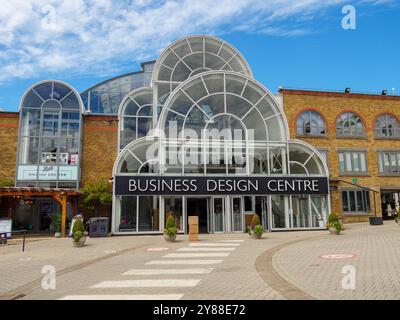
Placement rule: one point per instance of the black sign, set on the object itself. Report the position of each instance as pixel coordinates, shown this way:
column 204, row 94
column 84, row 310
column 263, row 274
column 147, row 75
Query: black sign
column 147, row 185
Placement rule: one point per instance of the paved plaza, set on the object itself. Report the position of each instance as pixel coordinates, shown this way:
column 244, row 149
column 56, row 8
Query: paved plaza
column 284, row 265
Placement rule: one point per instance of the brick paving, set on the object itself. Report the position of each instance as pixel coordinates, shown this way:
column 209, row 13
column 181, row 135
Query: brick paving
column 294, row 268
column 376, row 262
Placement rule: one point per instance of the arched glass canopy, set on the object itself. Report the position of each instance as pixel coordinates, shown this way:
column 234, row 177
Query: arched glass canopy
column 191, row 56
column 211, row 118
column 135, row 116
column 224, row 100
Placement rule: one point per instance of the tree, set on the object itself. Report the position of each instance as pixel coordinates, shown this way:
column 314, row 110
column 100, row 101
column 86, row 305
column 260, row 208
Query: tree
column 4, row 182
column 96, row 194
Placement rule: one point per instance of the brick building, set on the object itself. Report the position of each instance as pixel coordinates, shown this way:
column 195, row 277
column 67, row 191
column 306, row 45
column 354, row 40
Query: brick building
column 378, row 139
column 82, row 138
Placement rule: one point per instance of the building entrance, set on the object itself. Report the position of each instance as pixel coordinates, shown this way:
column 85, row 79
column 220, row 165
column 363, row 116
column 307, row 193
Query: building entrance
column 198, row 207
column 390, row 204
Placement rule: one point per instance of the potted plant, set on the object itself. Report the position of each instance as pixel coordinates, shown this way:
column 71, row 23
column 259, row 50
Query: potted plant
column 334, row 226
column 258, row 231
column 397, row 219
column 78, row 233
column 170, row 231
column 56, row 224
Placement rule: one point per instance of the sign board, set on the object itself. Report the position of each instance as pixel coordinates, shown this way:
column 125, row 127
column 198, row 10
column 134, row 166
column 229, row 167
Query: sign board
column 168, row 185
column 355, row 180
column 28, row 173
column 6, row 227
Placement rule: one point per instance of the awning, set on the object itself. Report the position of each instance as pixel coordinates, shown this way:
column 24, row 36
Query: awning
column 60, row 195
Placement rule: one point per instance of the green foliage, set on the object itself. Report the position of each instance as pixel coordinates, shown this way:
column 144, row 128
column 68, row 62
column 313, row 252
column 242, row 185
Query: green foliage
column 170, row 228
column 56, row 223
column 171, row 232
column 4, row 182
column 170, row 222
column 255, row 220
column 333, row 218
column 337, row 225
column 78, row 226
column 258, row 230
column 248, row 230
column 96, row 194
column 78, row 235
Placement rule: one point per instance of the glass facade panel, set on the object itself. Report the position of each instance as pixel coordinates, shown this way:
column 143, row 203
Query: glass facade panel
column 149, row 214
column 173, row 206
column 278, row 211
column 128, row 214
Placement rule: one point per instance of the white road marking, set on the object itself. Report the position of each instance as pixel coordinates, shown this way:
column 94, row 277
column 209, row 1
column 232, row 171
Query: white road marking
column 214, row 244
column 125, row 297
column 182, row 262
column 193, row 249
column 147, row 272
column 153, row 283
column 197, row 255
column 231, row 241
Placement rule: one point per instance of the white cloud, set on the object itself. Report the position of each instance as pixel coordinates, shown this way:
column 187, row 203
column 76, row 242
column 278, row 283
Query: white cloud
column 99, row 36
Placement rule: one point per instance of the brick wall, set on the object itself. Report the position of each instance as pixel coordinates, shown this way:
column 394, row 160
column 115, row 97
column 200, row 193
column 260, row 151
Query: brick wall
column 100, row 140
column 9, row 122
column 331, row 105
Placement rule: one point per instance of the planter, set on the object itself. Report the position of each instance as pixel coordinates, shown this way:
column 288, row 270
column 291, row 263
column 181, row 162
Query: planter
column 375, row 221
column 257, row 235
column 170, row 238
column 80, row 242
column 57, row 235
column 333, row 231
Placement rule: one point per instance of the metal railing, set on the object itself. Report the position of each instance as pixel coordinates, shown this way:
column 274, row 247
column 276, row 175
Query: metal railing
column 23, row 232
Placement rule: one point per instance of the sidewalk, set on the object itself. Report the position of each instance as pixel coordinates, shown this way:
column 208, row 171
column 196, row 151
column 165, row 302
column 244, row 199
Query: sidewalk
column 376, row 260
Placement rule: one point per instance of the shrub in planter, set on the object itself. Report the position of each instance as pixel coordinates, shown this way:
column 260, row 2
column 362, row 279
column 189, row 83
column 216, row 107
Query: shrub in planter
column 333, row 218
column 56, row 225
column 170, row 231
column 258, row 231
column 78, row 232
column 248, row 229
column 255, row 221
column 334, row 226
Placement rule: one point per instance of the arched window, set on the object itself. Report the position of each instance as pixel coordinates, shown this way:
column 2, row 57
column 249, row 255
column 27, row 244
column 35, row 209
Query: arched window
column 303, row 160
column 311, row 123
column 135, row 116
column 349, row 125
column 387, row 126
column 50, row 136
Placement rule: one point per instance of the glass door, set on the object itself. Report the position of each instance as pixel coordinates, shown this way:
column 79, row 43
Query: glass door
column 218, row 214
column 237, row 214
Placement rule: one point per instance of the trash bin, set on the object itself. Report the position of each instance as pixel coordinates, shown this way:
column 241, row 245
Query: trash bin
column 98, row 227
column 3, row 238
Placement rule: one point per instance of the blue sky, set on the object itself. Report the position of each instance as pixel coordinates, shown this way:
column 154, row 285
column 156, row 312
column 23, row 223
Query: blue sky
column 290, row 43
